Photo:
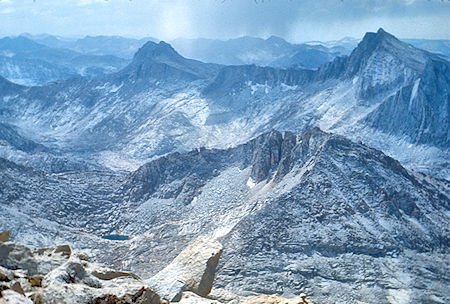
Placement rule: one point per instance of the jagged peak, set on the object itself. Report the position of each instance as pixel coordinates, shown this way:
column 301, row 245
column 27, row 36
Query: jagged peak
column 381, row 31
column 151, row 50
column 315, row 131
column 161, row 61
column 384, row 42
column 273, row 133
column 374, row 39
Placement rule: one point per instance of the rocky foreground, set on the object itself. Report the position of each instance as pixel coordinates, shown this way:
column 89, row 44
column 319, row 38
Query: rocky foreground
column 56, row 275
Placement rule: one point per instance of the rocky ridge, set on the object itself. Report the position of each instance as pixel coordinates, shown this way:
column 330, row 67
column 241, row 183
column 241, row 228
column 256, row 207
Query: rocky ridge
column 56, row 275
column 296, row 212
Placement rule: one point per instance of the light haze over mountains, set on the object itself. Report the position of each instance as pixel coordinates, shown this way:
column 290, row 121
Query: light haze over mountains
column 321, row 167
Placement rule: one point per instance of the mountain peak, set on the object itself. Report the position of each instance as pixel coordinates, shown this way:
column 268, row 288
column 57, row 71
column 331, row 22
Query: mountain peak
column 380, row 43
column 160, row 61
column 276, row 39
column 152, row 50
column 381, row 31
column 20, row 43
column 374, row 39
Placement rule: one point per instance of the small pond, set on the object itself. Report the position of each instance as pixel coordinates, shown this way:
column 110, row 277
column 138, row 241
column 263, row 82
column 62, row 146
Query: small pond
column 115, row 237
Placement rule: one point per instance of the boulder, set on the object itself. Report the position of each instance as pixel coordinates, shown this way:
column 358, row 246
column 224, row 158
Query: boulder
column 4, row 236
column 35, row 281
column 105, row 273
column 17, row 287
column 110, row 274
column 274, row 299
column 92, row 283
column 17, row 256
column 119, row 291
column 192, row 270
column 10, row 296
column 188, row 297
column 65, row 294
column 143, row 296
column 224, row 296
column 106, row 299
column 56, row 276
column 6, row 275
column 71, row 272
column 63, row 249
column 51, row 258
column 41, row 261
column 13, row 285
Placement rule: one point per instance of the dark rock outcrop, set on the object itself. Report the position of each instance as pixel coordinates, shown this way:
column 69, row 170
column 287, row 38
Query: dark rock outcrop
column 4, row 236
column 143, row 296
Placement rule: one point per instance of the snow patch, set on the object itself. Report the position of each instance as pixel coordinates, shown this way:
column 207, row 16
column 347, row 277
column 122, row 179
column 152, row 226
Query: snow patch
column 285, row 87
column 102, row 86
column 114, row 88
column 399, row 296
column 250, row 183
column 8, row 54
column 257, row 86
column 414, row 92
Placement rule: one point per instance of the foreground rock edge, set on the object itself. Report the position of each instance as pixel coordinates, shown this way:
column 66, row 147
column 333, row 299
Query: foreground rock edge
column 56, row 275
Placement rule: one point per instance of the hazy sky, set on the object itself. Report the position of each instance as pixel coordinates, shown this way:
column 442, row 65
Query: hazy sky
column 294, row 20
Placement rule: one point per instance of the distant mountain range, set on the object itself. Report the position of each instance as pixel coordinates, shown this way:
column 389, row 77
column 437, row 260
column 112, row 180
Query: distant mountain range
column 277, row 52
column 117, row 46
column 27, row 62
column 96, row 56
column 274, row 51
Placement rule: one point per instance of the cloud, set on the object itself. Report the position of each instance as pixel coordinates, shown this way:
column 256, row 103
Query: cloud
column 296, row 20
column 90, row 2
column 7, row 10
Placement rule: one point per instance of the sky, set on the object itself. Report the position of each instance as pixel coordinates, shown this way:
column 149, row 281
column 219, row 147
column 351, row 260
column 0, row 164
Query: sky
column 294, row 20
